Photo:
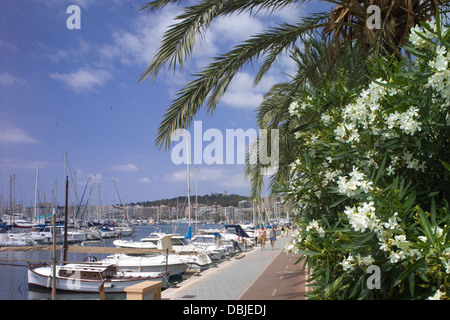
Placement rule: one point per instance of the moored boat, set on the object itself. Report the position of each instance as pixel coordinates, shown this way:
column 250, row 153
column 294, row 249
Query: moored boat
column 89, row 277
column 148, row 263
column 44, row 234
column 196, row 258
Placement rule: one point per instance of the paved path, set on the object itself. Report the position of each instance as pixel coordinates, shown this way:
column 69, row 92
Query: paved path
column 243, row 278
column 281, row 280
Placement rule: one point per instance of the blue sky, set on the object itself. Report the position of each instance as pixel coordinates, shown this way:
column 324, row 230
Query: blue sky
column 76, row 92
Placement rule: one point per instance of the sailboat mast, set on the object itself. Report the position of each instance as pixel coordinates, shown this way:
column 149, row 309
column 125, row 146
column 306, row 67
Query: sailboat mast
column 35, row 193
column 98, row 208
column 196, row 202
column 189, row 182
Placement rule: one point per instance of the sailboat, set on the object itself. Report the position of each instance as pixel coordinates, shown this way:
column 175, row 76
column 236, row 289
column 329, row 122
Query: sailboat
column 88, row 278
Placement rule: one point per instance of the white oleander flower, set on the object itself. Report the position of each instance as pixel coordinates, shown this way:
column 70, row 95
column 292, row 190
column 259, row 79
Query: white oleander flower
column 365, row 261
column 293, row 108
column 446, row 264
column 314, row 225
column 437, row 296
column 348, row 263
column 362, row 217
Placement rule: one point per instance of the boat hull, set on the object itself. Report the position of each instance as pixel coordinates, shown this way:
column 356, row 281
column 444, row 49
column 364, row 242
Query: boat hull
column 156, row 263
column 42, row 277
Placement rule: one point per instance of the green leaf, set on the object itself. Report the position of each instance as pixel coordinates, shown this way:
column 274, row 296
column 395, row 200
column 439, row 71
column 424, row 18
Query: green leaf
column 327, row 271
column 306, row 126
column 412, row 268
column 309, row 253
column 380, row 170
column 338, row 202
column 433, row 211
column 426, row 226
column 412, row 284
column 446, row 165
column 344, row 154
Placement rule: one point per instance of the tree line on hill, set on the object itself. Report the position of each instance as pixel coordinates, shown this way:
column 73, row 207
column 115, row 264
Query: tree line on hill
column 209, row 200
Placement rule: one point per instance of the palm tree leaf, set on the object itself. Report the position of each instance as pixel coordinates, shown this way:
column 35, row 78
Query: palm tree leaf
column 211, row 83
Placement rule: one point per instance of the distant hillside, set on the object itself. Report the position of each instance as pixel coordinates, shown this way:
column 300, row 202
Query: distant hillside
column 216, row 198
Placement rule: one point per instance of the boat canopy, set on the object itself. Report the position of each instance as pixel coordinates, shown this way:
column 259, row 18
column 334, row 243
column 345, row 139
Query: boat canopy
column 188, row 234
column 237, row 229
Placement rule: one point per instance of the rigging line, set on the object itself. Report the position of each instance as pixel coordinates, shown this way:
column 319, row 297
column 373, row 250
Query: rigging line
column 87, row 201
column 12, row 264
column 71, row 176
column 81, row 201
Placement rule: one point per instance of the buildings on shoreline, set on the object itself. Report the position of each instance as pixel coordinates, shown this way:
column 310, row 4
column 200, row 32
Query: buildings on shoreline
column 272, row 207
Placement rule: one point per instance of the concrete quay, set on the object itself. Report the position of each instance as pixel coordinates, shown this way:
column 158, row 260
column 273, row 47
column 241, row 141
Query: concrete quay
column 269, row 274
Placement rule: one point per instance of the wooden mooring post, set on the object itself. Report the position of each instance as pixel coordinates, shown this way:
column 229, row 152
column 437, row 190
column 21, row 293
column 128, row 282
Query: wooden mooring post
column 146, row 290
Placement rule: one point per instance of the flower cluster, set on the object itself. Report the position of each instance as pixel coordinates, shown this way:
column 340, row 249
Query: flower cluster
column 356, row 183
column 314, row 225
column 355, row 180
column 362, row 217
column 295, row 108
column 440, row 80
column 349, row 263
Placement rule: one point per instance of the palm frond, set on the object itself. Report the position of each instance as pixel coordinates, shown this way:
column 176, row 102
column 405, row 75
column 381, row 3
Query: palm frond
column 158, row 4
column 211, row 83
column 179, row 41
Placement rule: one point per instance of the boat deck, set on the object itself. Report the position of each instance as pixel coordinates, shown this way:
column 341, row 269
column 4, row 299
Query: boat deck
column 268, row 274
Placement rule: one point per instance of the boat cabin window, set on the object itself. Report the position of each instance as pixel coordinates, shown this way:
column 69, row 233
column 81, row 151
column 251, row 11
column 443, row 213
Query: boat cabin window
column 204, row 240
column 179, row 242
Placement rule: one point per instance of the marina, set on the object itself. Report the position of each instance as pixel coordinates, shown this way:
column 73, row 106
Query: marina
column 191, row 281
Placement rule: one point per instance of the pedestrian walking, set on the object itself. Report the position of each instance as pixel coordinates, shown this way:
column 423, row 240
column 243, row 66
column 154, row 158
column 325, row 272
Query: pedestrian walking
column 262, row 237
column 273, row 237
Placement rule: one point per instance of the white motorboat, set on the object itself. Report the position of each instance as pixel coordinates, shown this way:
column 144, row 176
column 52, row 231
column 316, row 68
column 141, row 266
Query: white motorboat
column 212, row 244
column 124, row 231
column 107, row 232
column 148, row 263
column 135, row 244
column 74, row 235
column 196, row 260
column 237, row 234
column 12, row 239
column 89, row 278
column 44, row 234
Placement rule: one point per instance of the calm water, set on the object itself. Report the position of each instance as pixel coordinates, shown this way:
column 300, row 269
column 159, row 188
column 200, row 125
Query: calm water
column 13, row 279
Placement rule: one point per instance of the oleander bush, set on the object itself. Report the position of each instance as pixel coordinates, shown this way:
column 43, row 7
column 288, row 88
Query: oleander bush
column 371, row 181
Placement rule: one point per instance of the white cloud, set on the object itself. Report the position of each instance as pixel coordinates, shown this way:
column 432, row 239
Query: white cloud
column 144, row 180
column 7, row 79
column 83, row 79
column 242, row 94
column 96, row 177
column 236, row 28
column 125, row 167
column 9, row 46
column 12, row 135
column 142, row 41
column 220, row 176
column 73, row 54
column 12, row 164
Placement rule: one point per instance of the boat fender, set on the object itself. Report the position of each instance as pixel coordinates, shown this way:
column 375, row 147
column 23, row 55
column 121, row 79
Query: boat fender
column 90, row 259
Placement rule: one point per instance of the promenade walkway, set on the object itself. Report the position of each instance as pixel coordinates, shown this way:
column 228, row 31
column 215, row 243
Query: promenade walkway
column 268, row 274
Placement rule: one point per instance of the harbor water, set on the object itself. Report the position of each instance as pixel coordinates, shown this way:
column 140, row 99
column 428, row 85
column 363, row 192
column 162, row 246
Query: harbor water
column 13, row 274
